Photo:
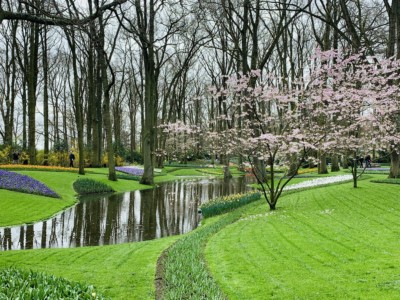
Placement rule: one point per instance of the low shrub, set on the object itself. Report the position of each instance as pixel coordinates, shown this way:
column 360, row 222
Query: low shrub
column 85, row 186
column 128, row 177
column 18, row 284
column 224, row 204
column 176, row 165
column 387, row 180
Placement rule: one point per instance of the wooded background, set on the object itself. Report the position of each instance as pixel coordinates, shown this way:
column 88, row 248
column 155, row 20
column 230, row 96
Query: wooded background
column 99, row 77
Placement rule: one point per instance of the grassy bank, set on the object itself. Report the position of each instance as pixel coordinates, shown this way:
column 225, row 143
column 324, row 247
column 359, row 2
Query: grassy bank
column 334, row 242
column 124, row 271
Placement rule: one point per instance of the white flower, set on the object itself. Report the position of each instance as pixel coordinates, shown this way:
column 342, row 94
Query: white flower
column 319, row 181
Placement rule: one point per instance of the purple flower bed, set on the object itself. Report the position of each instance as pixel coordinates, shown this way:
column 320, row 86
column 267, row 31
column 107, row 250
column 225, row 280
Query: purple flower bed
column 130, row 170
column 22, row 183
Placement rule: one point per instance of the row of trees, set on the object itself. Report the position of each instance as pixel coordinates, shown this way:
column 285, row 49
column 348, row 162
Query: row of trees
column 104, row 75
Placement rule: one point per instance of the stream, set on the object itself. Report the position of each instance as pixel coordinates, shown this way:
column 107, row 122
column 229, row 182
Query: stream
column 169, row 209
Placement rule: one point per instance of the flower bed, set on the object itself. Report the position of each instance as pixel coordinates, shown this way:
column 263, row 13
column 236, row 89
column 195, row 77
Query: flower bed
column 305, row 171
column 319, row 181
column 18, row 284
column 25, row 184
column 224, row 204
column 37, row 168
column 135, row 171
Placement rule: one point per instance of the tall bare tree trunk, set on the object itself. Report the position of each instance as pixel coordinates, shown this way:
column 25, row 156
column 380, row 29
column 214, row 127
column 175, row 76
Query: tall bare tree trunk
column 78, row 107
column 392, row 45
column 32, row 83
column 104, row 64
column 45, row 95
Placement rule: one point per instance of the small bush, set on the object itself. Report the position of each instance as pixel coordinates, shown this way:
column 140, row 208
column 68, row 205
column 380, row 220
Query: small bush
column 176, row 165
column 224, row 204
column 17, row 284
column 388, row 180
column 84, row 186
column 128, row 177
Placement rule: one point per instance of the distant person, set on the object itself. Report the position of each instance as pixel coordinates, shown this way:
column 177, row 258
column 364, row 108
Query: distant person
column 368, row 161
column 361, row 161
column 15, row 157
column 71, row 160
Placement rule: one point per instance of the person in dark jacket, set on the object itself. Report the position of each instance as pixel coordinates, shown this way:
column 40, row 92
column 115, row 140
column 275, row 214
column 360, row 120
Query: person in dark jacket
column 15, row 157
column 71, row 160
column 368, row 161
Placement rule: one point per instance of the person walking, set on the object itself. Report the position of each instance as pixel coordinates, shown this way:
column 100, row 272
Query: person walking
column 15, row 157
column 71, row 159
column 368, row 161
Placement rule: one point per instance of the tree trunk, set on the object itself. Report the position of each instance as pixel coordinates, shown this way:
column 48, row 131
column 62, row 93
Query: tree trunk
column 322, row 167
column 45, row 97
column 393, row 43
column 32, row 82
column 150, row 94
column 227, row 171
column 78, row 109
column 394, row 164
column 345, row 161
column 149, row 131
column 335, row 163
column 104, row 64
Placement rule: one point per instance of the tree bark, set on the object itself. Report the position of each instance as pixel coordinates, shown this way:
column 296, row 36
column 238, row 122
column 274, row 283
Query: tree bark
column 77, row 102
column 335, row 163
column 104, row 64
column 45, row 96
column 322, row 166
column 32, row 84
column 394, row 164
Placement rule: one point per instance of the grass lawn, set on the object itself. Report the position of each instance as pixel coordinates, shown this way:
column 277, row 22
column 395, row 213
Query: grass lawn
column 328, row 242
column 124, row 271
column 334, row 242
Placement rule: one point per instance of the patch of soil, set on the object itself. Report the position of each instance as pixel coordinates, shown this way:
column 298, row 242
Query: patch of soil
column 159, row 279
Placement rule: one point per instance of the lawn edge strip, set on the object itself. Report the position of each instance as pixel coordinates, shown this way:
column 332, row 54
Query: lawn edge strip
column 182, row 271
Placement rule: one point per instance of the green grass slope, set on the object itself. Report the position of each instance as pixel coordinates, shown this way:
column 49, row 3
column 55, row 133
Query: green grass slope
column 124, row 271
column 334, row 242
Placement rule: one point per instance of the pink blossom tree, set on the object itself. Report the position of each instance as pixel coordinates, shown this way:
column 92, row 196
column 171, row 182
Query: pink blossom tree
column 182, row 140
column 356, row 97
column 344, row 106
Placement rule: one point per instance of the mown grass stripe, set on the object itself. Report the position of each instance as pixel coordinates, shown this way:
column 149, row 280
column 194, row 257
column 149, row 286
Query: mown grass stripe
column 340, row 244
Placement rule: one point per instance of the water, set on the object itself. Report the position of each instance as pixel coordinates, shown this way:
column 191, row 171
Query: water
column 169, row 209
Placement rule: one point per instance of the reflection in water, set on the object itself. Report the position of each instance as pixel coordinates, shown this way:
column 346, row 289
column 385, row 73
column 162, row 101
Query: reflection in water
column 169, row 209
